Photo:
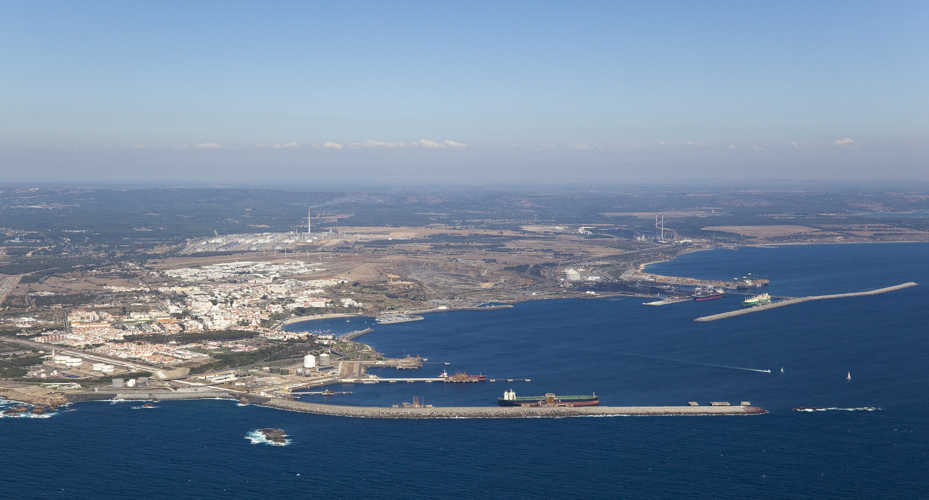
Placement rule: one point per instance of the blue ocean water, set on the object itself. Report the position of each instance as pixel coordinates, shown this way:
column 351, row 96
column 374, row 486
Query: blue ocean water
column 628, row 353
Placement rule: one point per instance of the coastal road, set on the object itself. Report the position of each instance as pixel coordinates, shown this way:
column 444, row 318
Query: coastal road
column 99, row 358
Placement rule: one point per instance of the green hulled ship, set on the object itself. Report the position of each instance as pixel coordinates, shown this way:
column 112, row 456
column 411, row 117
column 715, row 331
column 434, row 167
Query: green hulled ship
column 757, row 300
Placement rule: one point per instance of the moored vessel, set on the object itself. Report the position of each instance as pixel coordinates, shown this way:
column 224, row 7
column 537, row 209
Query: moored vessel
column 701, row 294
column 757, row 300
column 461, row 377
column 511, row 399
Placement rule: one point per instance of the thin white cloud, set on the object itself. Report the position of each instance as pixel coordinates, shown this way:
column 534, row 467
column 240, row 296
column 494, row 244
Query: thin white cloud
column 549, row 146
column 139, row 146
column 332, row 145
column 685, row 143
column 453, row 144
column 582, row 147
column 732, row 146
column 845, row 142
column 426, row 143
column 289, row 145
column 384, row 144
column 207, row 145
column 757, row 148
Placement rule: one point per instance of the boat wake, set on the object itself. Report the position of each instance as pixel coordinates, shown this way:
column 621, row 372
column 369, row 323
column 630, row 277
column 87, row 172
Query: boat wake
column 864, row 408
column 258, row 438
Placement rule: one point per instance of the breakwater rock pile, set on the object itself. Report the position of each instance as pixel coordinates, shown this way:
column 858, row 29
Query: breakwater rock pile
column 508, row 412
column 788, row 302
column 275, row 436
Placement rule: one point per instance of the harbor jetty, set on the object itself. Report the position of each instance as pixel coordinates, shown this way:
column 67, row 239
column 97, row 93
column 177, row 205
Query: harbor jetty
column 798, row 300
column 416, row 412
column 356, row 333
column 424, row 412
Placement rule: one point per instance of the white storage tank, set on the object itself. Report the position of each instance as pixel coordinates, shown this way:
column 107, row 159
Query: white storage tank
column 324, row 359
column 75, row 362
column 309, row 361
column 117, row 382
column 97, row 367
column 108, row 368
column 299, row 371
column 130, row 382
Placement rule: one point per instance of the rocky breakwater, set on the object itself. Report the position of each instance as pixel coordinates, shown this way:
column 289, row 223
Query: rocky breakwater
column 507, row 412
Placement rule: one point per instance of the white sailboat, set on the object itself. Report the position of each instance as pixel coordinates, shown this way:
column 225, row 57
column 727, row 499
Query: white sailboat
column 782, row 369
column 849, row 376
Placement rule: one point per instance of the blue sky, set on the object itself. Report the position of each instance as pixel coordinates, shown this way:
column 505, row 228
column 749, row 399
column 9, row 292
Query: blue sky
column 242, row 92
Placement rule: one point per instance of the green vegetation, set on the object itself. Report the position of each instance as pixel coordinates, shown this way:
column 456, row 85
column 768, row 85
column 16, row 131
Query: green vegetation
column 15, row 366
column 280, row 351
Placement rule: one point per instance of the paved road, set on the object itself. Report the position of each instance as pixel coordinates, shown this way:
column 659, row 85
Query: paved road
column 99, row 358
column 7, row 285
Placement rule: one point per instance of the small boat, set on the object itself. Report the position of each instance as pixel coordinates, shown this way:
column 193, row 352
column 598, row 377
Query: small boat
column 447, row 364
column 782, row 369
column 849, row 376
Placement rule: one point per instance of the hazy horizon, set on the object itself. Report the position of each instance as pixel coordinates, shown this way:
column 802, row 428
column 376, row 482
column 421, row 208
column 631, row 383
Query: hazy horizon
column 600, row 93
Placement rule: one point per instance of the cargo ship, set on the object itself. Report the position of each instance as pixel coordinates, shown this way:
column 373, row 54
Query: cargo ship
column 461, row 377
column 510, row 399
column 757, row 300
column 701, row 294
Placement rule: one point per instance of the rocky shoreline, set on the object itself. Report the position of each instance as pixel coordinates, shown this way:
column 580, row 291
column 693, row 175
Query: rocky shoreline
column 34, row 395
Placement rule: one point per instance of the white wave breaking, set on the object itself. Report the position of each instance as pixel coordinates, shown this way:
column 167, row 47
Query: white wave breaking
column 258, row 438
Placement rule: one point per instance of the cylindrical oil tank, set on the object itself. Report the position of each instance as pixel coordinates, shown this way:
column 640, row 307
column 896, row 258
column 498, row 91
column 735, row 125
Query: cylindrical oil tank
column 275, row 369
column 117, row 382
column 324, row 359
column 97, row 367
column 285, row 371
column 130, row 382
column 142, row 382
column 299, row 371
column 109, row 368
column 309, row 361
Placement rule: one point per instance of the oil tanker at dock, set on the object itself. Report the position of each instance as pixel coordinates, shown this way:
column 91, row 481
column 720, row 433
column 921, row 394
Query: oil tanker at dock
column 511, row 399
column 461, row 377
column 702, row 294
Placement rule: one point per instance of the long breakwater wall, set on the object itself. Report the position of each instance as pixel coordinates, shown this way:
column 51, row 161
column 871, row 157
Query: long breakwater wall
column 427, row 412
column 507, row 412
column 798, row 300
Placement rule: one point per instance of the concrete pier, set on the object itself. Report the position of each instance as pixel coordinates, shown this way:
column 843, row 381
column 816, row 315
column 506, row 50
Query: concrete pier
column 798, row 300
column 509, row 412
column 428, row 413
